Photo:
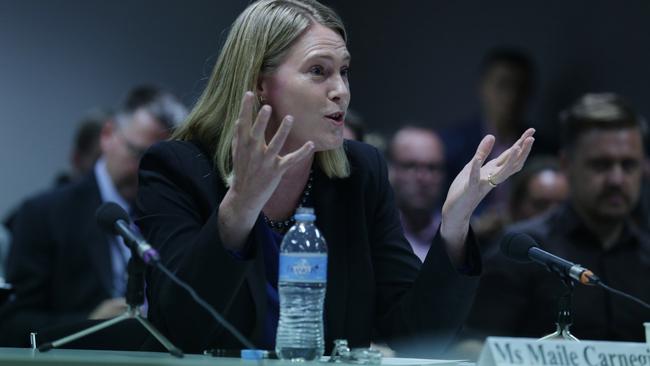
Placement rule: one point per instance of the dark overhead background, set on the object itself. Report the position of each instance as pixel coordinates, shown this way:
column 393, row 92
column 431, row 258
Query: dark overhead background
column 412, row 60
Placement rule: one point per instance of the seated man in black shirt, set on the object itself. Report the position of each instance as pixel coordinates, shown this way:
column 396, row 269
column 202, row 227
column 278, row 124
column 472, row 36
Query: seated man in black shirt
column 602, row 155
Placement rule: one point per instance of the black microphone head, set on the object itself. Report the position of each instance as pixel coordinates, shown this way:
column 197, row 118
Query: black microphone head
column 107, row 214
column 516, row 246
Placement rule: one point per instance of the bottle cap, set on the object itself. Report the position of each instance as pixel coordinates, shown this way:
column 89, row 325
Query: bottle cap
column 304, row 214
column 254, row 354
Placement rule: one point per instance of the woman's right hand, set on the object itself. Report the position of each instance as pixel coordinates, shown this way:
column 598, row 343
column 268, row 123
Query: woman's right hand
column 257, row 171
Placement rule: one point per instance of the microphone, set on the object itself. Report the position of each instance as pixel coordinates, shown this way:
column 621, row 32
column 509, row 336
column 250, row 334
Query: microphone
column 523, row 248
column 113, row 219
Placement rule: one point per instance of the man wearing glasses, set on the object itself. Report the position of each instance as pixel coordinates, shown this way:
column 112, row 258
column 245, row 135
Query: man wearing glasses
column 64, row 269
column 416, row 158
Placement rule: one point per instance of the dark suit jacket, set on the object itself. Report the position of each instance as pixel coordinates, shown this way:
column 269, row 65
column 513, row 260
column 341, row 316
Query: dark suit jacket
column 59, row 262
column 374, row 279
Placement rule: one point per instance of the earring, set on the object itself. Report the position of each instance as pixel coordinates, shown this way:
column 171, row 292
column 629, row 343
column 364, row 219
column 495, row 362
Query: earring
column 262, row 100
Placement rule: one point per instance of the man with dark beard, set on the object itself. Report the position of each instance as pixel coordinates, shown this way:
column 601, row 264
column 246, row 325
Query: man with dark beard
column 602, row 157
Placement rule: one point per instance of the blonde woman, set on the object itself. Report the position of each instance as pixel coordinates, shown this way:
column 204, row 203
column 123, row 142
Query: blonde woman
column 265, row 137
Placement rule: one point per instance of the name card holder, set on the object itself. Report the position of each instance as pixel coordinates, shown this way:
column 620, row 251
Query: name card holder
column 500, row 351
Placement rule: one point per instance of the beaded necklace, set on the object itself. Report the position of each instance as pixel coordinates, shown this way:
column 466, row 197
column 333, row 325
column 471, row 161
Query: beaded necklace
column 283, row 225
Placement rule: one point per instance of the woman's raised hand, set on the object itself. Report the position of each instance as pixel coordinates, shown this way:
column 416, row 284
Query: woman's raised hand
column 257, row 170
column 257, row 166
column 474, row 182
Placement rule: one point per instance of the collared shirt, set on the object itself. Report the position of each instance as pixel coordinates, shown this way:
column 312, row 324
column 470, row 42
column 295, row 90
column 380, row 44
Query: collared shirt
column 421, row 240
column 120, row 254
column 521, row 299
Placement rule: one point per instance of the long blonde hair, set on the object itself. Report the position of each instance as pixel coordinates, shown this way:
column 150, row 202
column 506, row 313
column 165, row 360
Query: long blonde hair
column 257, row 43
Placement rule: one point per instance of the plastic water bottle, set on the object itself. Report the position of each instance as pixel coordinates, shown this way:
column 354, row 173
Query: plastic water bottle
column 301, row 285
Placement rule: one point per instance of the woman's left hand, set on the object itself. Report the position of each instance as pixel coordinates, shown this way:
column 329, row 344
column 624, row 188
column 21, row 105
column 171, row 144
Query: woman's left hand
column 473, row 183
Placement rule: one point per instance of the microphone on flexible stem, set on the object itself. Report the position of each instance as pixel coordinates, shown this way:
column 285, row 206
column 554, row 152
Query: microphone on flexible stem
column 523, row 248
column 113, row 219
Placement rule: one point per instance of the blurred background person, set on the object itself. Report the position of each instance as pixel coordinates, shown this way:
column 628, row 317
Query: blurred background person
column 416, row 160
column 158, row 102
column 85, row 148
column 602, row 156
column 540, row 186
column 63, row 267
column 506, row 83
column 354, row 128
column 83, row 155
column 505, row 86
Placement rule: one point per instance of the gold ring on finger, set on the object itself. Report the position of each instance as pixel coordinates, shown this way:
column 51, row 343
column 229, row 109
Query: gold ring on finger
column 490, row 180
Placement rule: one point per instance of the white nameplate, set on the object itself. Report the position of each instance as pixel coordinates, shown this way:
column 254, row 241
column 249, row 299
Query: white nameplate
column 499, row 351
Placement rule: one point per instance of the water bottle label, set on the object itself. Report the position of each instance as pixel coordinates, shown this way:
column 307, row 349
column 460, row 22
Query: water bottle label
column 303, row 267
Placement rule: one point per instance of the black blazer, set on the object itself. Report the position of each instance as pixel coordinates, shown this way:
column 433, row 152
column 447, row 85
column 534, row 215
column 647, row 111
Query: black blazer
column 59, row 262
column 374, row 280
